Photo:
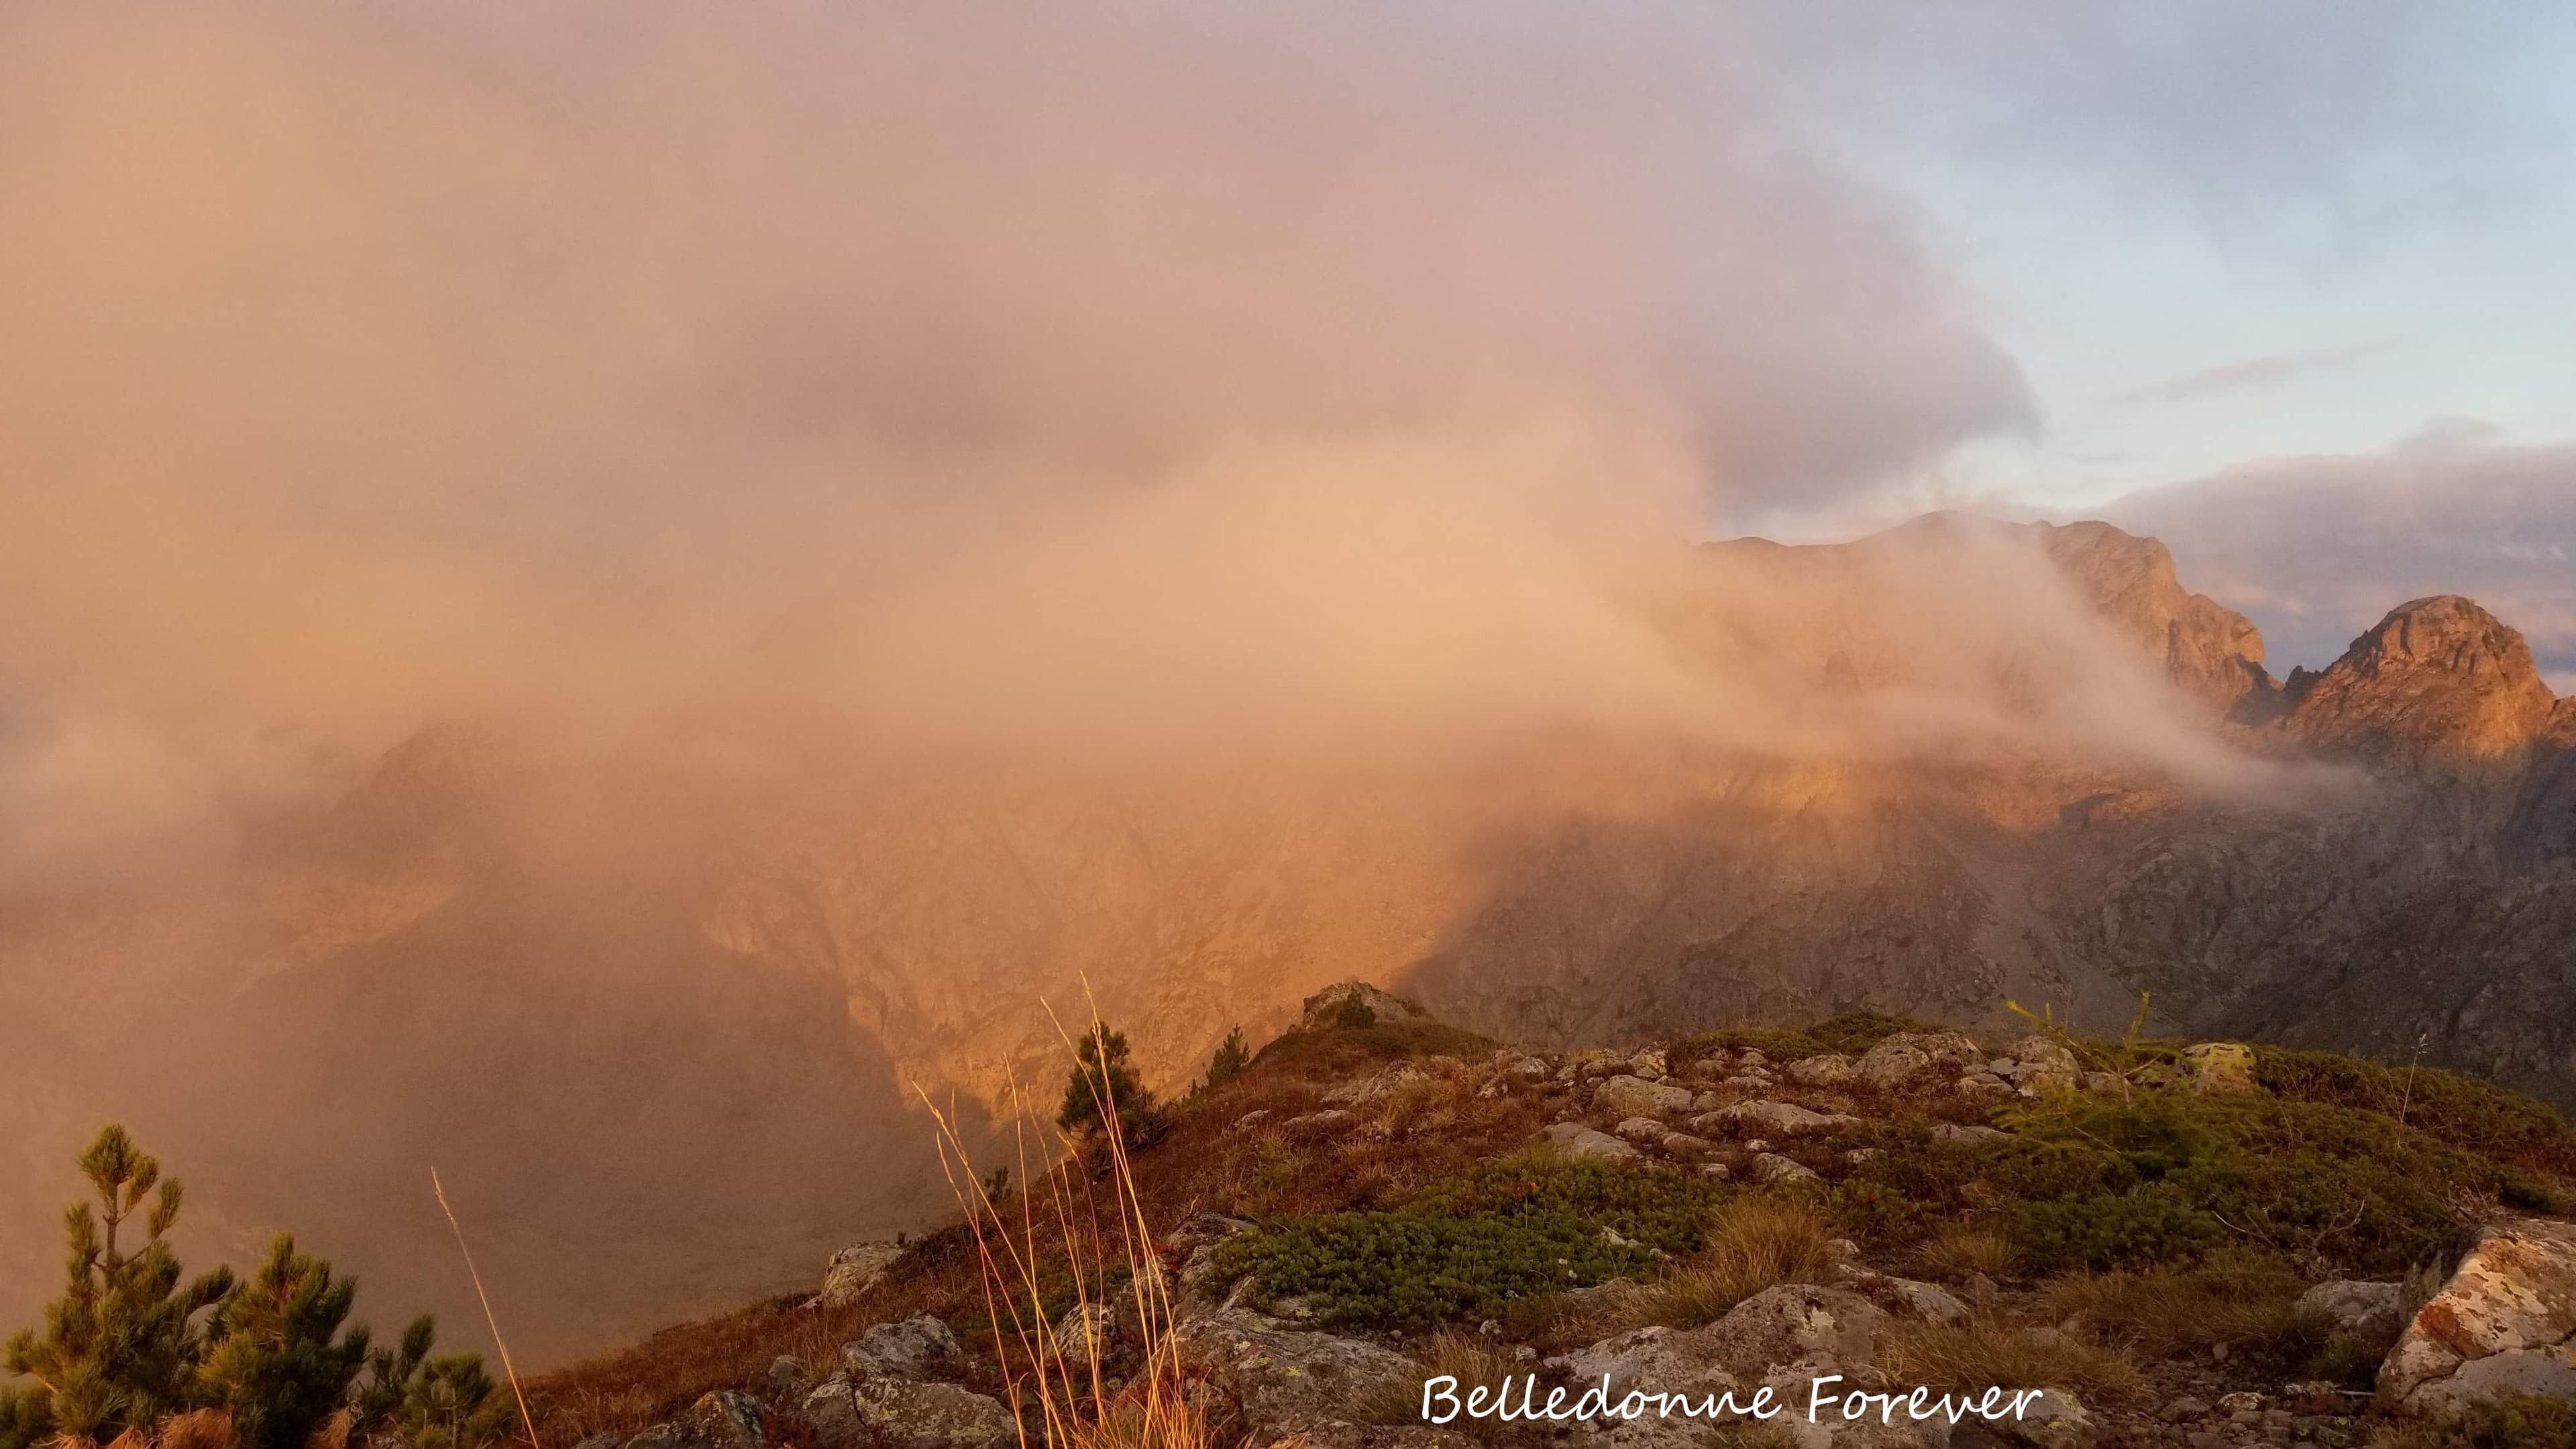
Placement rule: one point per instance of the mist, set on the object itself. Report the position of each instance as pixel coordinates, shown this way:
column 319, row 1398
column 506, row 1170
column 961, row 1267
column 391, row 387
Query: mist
column 791, row 524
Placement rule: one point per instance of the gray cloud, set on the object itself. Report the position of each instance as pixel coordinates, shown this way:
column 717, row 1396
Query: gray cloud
column 2253, row 374
column 2316, row 549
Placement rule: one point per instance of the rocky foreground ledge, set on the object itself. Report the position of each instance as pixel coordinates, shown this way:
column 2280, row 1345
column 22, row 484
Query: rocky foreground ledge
column 2163, row 1243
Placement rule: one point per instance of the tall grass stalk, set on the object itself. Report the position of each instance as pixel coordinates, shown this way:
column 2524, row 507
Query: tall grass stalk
column 1075, row 1405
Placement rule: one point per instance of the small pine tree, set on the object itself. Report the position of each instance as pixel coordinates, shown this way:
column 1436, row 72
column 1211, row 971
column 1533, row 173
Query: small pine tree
column 1228, row 1063
column 120, row 1348
column 1102, row 1079
column 275, row 1358
column 452, row 1403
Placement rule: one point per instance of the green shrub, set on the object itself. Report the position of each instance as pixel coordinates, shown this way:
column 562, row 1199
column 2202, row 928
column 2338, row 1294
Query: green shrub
column 1465, row 1246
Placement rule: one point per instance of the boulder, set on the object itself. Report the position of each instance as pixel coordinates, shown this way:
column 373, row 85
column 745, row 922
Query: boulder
column 1683, row 1144
column 1574, row 1140
column 787, row 1379
column 1782, row 1119
column 1376, row 1086
column 856, row 1269
column 2500, row 1326
column 1346, row 1002
column 1287, row 1381
column 1651, row 1360
column 1830, row 1070
column 1642, row 1130
column 2218, row 1066
column 1928, row 1301
column 905, row 1350
column 1796, row 1329
column 1086, row 1336
column 2054, row 1420
column 905, row 1414
column 1651, row 1065
column 2366, row 1311
column 2041, row 1064
column 1627, row 1096
column 720, row 1420
column 1770, row 1168
column 1893, row 1062
column 1967, row 1132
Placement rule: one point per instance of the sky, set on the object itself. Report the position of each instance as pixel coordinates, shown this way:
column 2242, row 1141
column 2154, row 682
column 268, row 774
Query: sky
column 2293, row 271
column 369, row 364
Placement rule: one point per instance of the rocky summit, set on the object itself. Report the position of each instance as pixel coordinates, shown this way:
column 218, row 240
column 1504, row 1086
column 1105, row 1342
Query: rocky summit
column 1857, row 1232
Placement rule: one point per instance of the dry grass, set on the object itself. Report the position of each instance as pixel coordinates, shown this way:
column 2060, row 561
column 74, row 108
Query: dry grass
column 1956, row 1253
column 1755, row 1243
column 1472, row 1360
column 1985, row 1349
column 2163, row 1312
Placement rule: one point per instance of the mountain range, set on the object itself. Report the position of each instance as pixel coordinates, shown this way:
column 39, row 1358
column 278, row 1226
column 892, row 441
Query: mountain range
column 668, row 1034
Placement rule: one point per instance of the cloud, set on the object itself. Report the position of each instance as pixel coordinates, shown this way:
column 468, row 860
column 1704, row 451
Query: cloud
column 2255, row 373
column 2317, row 549
column 368, row 365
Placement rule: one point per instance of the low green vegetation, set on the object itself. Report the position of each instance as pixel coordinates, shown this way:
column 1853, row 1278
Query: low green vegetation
column 2102, row 1181
column 133, row 1347
column 1465, row 1246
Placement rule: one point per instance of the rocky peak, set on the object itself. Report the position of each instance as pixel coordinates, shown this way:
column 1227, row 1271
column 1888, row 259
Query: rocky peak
column 2439, row 681
column 2208, row 650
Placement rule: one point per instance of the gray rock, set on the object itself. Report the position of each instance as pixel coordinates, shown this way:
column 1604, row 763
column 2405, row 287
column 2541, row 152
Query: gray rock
column 1783, row 1119
column 1831, row 1070
column 721, row 1420
column 1967, row 1132
column 1893, row 1062
column 1796, row 1329
column 906, row 1414
column 2367, row 1311
column 1288, row 1381
column 1573, row 1139
column 2054, row 1420
column 1626, row 1096
column 2502, row 1324
column 1650, row 1065
column 787, row 1379
column 1326, row 1008
column 1770, row 1168
column 1928, row 1301
column 2044, row 1064
column 1683, row 1144
column 1653, row 1360
column 2219, row 1066
column 1086, row 1335
column 1641, row 1130
column 1377, row 1086
column 905, row 1350
column 1327, row 1120
column 856, row 1269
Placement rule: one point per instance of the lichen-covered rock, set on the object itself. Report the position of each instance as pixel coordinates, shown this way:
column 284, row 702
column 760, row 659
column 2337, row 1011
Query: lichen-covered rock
column 1783, row 1119
column 1650, row 1360
column 2043, row 1064
column 1893, row 1062
column 856, row 1269
column 1967, row 1132
column 1771, row 1168
column 1830, row 1070
column 1288, row 1381
column 1800, row 1329
column 906, row 1414
column 1345, row 1002
column 1086, row 1335
column 2500, row 1326
column 1641, row 1130
column 787, row 1379
column 2218, row 1066
column 2054, row 1420
column 1627, row 1096
column 905, row 1350
column 720, row 1420
column 1574, row 1140
column 1928, row 1301
column 1651, row 1065
column 1377, row 1086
